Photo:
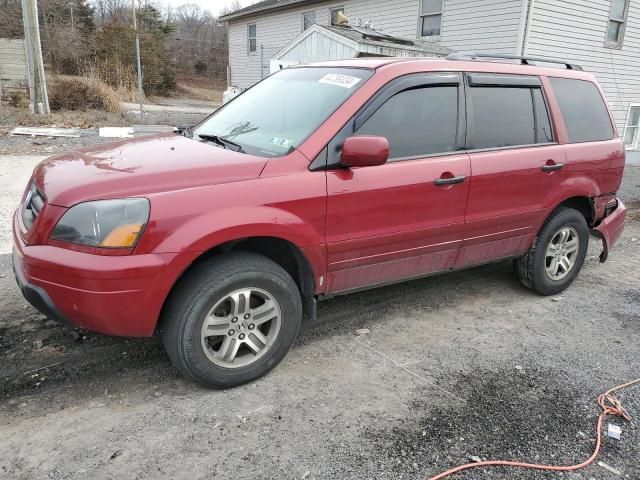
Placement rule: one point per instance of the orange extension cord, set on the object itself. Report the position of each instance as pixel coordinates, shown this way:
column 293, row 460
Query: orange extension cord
column 610, row 406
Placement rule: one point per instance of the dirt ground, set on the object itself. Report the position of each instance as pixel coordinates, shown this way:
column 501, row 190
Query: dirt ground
column 459, row 365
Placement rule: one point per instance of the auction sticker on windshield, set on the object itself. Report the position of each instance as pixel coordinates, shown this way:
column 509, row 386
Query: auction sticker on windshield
column 346, row 81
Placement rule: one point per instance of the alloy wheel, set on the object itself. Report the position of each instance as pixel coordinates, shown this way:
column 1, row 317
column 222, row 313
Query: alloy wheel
column 241, row 327
column 562, row 253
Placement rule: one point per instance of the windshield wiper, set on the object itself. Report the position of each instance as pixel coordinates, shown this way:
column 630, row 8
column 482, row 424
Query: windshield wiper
column 185, row 131
column 222, row 142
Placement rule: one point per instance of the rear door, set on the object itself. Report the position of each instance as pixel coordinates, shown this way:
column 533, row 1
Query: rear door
column 516, row 165
column 404, row 218
column 595, row 155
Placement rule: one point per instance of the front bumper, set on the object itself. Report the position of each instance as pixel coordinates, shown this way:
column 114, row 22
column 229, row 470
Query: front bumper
column 36, row 296
column 610, row 229
column 121, row 295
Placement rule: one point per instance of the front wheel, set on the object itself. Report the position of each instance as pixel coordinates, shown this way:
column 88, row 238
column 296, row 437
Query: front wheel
column 557, row 254
column 231, row 319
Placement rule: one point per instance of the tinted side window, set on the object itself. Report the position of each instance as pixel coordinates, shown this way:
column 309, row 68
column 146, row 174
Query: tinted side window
column 417, row 122
column 584, row 111
column 502, row 117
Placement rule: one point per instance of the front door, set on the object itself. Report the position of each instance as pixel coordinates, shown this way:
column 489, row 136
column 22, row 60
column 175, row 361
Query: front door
column 405, row 218
column 516, row 163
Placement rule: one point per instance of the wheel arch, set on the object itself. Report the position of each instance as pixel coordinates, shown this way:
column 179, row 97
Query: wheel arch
column 583, row 204
column 292, row 258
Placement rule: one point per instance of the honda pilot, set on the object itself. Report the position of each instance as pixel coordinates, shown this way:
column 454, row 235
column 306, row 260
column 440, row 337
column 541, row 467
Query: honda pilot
column 321, row 180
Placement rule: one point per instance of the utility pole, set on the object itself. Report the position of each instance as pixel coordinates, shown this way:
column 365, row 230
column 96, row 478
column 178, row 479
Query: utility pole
column 139, row 64
column 39, row 99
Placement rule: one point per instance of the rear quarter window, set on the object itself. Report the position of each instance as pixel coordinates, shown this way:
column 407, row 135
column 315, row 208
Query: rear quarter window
column 584, row 111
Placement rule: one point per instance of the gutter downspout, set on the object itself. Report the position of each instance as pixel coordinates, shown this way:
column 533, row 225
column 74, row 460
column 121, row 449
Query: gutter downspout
column 527, row 28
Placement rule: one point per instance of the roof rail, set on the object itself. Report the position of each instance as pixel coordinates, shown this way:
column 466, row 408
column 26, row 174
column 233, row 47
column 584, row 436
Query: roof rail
column 503, row 56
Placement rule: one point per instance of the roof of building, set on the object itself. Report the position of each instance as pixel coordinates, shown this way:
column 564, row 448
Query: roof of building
column 368, row 36
column 259, row 7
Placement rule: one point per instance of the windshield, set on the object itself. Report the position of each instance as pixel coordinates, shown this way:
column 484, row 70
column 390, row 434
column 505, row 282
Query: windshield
column 279, row 113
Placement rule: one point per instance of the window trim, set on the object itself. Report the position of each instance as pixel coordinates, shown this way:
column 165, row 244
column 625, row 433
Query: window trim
column 528, row 82
column 304, row 14
column 249, row 37
column 623, row 26
column 422, row 15
column 633, row 145
column 332, row 9
column 482, row 79
column 329, row 157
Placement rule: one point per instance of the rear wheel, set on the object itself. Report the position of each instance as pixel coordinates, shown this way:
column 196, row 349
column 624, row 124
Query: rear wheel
column 557, row 254
column 231, row 319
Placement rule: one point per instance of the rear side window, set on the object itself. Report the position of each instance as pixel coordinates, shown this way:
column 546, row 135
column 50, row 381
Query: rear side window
column 417, row 122
column 584, row 111
column 508, row 117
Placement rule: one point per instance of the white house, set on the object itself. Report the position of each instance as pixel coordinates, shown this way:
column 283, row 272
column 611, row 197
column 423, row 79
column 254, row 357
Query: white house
column 601, row 35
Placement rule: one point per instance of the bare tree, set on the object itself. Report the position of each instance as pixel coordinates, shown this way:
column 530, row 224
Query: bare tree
column 112, row 11
column 11, row 19
column 234, row 6
column 199, row 42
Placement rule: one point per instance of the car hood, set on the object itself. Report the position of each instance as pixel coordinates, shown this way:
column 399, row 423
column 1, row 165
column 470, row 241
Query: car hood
column 140, row 166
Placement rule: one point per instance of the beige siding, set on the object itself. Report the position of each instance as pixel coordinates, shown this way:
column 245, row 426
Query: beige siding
column 274, row 31
column 482, row 25
column 575, row 30
column 13, row 62
column 319, row 47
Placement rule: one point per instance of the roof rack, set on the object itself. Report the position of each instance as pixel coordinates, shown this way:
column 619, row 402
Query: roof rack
column 503, row 56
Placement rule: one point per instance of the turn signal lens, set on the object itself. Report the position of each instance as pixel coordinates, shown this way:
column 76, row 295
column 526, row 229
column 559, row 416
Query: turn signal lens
column 124, row 236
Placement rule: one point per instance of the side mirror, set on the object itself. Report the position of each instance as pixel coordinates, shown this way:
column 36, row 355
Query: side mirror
column 365, row 151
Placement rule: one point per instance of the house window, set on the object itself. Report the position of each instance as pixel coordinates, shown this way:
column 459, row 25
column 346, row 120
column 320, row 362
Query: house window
column 251, row 37
column 308, row 19
column 334, row 14
column 430, row 17
column 632, row 128
column 617, row 21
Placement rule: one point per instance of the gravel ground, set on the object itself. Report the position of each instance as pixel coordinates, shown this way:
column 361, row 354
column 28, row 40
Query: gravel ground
column 459, row 365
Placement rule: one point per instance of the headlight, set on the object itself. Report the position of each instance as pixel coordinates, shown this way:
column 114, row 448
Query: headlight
column 104, row 223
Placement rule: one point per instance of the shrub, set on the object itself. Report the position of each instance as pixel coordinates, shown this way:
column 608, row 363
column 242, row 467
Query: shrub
column 19, row 100
column 115, row 58
column 200, row 67
column 78, row 93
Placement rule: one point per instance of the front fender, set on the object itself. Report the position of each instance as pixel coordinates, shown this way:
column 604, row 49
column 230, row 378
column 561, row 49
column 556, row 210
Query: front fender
column 203, row 232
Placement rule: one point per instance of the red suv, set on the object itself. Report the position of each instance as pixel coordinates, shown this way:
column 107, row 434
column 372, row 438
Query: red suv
column 318, row 181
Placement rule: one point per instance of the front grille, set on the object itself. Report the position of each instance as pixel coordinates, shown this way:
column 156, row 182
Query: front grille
column 32, row 206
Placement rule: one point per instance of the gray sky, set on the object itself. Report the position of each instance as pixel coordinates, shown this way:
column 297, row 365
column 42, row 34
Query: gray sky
column 214, row 6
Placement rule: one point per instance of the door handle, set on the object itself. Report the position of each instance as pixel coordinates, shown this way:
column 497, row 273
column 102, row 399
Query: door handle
column 439, row 182
column 552, row 167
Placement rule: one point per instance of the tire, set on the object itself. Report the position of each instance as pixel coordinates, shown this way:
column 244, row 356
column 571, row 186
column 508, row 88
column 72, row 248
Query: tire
column 535, row 268
column 223, row 282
